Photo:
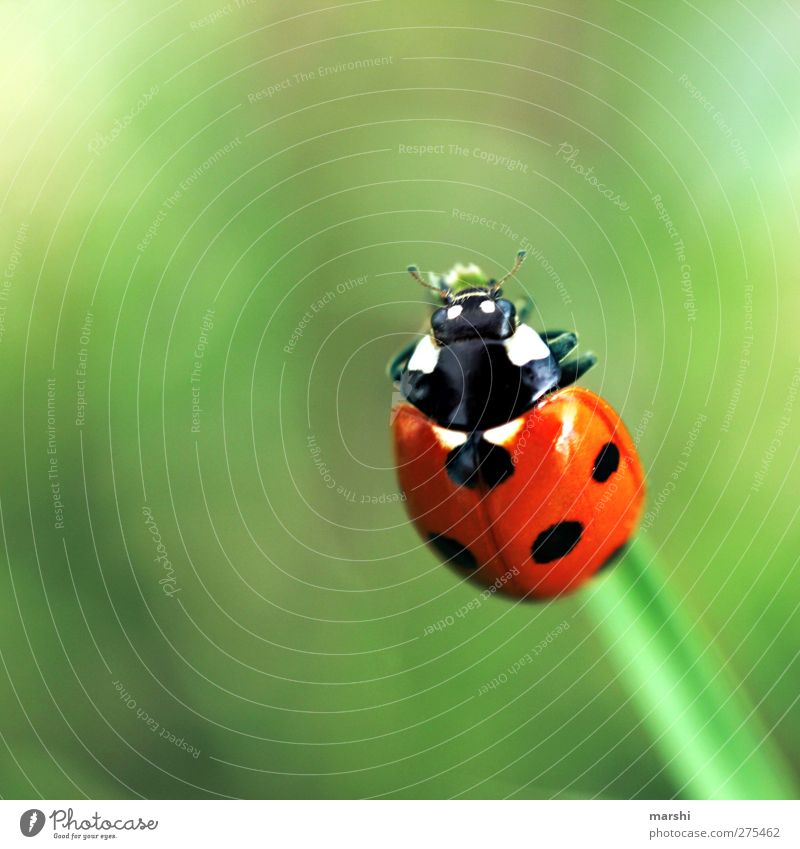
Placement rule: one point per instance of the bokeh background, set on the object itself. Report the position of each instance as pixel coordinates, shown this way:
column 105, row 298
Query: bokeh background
column 208, row 585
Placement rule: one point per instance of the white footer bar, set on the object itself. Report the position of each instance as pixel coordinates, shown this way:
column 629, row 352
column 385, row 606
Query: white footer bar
column 401, row 824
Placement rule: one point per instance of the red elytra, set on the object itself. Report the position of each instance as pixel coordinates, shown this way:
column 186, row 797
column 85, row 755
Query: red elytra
column 569, row 506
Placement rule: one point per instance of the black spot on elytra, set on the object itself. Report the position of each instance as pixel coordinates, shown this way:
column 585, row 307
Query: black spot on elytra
column 557, row 541
column 606, row 462
column 451, row 551
column 477, row 462
column 616, row 555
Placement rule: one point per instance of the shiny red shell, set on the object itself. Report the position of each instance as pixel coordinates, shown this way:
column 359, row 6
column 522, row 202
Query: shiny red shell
column 569, row 507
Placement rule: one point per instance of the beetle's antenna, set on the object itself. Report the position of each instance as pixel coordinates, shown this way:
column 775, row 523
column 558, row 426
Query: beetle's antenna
column 414, row 272
column 517, row 263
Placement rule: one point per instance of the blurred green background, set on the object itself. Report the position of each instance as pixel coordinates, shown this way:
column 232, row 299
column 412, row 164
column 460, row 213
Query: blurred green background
column 209, row 586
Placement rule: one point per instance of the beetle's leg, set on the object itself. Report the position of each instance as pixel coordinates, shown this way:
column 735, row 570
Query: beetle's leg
column 574, row 369
column 562, row 345
column 396, row 366
column 552, row 334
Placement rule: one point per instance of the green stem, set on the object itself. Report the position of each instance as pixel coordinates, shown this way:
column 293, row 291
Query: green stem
column 710, row 738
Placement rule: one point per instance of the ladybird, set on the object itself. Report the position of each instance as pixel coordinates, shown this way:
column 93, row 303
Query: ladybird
column 515, row 476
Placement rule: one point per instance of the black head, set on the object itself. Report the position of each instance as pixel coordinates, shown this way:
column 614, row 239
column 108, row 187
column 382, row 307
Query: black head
column 475, row 313
column 476, row 310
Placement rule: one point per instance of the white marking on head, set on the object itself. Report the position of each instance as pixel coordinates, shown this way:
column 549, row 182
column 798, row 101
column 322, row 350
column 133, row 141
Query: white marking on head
column 449, row 439
column 425, row 356
column 455, row 311
column 526, row 345
column 487, row 306
column 504, row 433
